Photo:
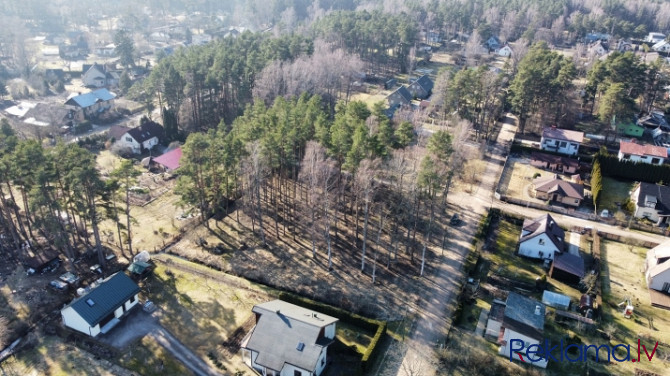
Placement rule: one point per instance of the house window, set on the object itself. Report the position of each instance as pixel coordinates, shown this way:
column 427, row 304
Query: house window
column 541, row 241
column 564, row 144
column 655, row 161
column 626, row 156
column 666, row 287
column 129, row 139
column 323, row 360
column 132, row 299
column 297, row 373
column 576, row 201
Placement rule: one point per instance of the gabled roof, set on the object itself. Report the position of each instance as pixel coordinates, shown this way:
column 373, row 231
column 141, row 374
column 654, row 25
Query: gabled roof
column 569, row 263
column 287, row 333
column 520, row 315
column 563, row 134
column 146, row 131
column 638, row 149
column 661, row 251
column 117, row 131
column 92, row 68
column 89, row 99
column 425, row 82
column 554, row 159
column 170, row 159
column 660, row 192
column 544, row 225
column 105, row 299
column 403, row 92
column 554, row 184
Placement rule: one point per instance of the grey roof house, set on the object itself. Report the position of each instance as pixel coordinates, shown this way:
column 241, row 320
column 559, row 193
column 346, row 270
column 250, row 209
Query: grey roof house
column 652, row 201
column 401, row 96
column 421, row 87
column 103, row 307
column 523, row 320
column 288, row 340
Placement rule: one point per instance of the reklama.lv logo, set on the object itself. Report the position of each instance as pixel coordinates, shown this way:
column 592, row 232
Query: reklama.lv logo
column 537, row 353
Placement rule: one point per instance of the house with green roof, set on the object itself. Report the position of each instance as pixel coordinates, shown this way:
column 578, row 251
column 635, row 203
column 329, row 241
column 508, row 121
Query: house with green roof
column 99, row 310
column 630, row 129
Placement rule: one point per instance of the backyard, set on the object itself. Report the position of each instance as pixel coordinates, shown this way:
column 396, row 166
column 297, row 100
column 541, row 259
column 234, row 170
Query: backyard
column 614, row 194
column 518, row 176
column 623, row 279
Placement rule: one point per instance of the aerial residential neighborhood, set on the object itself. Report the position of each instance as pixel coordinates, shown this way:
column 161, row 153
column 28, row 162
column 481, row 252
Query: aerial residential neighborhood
column 335, row 188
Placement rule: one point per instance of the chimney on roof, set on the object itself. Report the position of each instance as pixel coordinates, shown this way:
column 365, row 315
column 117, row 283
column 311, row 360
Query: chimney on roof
column 537, row 310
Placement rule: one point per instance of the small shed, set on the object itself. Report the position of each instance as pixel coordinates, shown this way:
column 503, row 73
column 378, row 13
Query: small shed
column 140, row 269
column 567, row 268
column 558, row 301
column 495, row 320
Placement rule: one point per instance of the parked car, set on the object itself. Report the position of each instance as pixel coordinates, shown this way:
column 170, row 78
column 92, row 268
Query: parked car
column 58, row 285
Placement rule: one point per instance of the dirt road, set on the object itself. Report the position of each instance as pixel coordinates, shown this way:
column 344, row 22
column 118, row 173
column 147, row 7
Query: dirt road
column 436, row 309
column 182, row 353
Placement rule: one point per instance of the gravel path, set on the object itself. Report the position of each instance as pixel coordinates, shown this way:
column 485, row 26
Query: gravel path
column 182, row 353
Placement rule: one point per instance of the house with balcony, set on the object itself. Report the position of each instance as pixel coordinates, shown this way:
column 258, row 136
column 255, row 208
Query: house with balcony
column 561, row 141
column 288, row 340
column 638, row 153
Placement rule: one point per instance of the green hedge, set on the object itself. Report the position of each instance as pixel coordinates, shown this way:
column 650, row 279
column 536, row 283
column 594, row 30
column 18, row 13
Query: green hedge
column 378, row 326
column 611, row 166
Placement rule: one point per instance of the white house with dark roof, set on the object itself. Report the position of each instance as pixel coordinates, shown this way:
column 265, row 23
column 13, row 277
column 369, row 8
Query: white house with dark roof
column 103, row 307
column 561, row 140
column 523, row 320
column 143, row 137
column 657, row 267
column 97, row 75
column 634, row 152
column 541, row 238
column 288, row 340
column 652, row 201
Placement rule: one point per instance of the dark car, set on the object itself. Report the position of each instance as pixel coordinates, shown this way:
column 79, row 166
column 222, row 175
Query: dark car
column 455, row 220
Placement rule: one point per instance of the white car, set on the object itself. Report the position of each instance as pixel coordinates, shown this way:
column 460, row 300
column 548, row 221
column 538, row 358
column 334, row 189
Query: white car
column 605, row 213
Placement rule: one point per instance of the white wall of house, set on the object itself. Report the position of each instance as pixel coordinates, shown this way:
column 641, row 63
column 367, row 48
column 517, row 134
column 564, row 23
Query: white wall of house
column 132, row 302
column 321, row 363
column 127, row 141
column 505, row 51
column 527, row 341
column 93, row 77
column 660, row 282
column 559, row 146
column 540, row 247
column 640, row 158
column 72, row 320
column 329, row 331
column 289, row 370
column 148, row 144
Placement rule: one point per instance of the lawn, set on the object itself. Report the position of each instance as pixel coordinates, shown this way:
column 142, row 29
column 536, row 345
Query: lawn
column 52, row 356
column 504, row 262
column 518, row 176
column 623, row 278
column 148, row 358
column 353, row 336
column 614, row 192
column 202, row 311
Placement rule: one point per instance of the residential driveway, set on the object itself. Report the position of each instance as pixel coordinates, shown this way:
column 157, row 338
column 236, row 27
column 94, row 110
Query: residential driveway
column 139, row 324
column 134, row 326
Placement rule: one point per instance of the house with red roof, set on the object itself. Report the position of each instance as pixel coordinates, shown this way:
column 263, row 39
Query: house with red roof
column 638, row 153
column 169, row 161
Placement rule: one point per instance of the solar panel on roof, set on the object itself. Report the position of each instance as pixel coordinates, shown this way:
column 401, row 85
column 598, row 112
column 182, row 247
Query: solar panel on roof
column 90, row 302
column 300, row 346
